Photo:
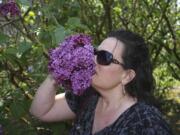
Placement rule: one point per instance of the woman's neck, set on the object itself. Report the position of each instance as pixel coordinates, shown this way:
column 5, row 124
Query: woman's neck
column 115, row 98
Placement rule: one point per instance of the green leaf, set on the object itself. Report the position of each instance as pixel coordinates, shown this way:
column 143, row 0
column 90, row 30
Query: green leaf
column 58, row 128
column 24, row 47
column 1, row 102
column 59, row 34
column 3, row 38
column 12, row 58
column 24, row 2
column 11, row 50
column 45, row 37
column 17, row 109
column 74, row 22
column 58, row 3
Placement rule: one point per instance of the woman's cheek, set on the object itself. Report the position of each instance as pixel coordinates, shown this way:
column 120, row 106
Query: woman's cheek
column 105, row 78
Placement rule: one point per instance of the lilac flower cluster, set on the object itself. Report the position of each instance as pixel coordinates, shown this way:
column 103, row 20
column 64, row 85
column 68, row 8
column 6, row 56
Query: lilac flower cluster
column 72, row 63
column 9, row 8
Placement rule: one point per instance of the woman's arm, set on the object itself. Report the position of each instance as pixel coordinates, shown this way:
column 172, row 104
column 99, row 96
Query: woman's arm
column 47, row 106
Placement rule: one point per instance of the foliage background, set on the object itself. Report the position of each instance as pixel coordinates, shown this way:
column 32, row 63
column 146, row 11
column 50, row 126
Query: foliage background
column 26, row 39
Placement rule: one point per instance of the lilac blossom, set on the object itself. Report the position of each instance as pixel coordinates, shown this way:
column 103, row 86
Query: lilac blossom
column 72, row 63
column 9, row 8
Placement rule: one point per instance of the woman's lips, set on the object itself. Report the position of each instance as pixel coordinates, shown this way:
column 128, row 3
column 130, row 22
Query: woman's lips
column 95, row 72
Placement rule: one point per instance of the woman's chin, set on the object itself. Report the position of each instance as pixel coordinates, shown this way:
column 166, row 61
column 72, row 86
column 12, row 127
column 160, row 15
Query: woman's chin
column 94, row 77
column 93, row 82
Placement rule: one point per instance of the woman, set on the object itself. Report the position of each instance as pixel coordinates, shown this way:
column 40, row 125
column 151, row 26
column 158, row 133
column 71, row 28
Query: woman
column 117, row 102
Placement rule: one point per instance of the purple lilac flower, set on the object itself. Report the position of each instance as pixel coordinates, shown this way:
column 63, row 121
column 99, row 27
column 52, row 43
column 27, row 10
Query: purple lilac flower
column 72, row 63
column 9, row 8
column 80, row 81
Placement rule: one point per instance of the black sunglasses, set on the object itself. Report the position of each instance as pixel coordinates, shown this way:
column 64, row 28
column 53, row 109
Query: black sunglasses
column 105, row 57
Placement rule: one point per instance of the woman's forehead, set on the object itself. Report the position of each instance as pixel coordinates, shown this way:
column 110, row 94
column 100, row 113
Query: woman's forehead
column 111, row 45
column 107, row 44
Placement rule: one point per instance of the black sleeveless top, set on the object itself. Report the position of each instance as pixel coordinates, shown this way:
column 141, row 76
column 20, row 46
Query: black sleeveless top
column 139, row 119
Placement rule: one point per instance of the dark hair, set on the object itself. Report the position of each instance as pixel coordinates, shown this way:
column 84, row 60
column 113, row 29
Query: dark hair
column 136, row 57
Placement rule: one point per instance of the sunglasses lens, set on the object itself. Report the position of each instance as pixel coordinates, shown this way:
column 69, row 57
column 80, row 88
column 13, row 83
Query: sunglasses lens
column 104, row 57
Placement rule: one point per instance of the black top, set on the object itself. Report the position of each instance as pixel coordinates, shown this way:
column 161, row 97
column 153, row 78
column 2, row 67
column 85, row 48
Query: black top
column 139, row 119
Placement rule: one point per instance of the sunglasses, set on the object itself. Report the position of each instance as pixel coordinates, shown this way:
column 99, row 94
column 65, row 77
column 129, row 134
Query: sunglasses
column 105, row 58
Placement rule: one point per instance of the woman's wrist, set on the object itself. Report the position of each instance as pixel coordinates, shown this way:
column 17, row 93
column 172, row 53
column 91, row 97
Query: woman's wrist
column 52, row 80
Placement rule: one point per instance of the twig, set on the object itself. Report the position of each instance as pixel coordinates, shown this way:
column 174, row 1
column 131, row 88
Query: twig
column 174, row 73
column 159, row 22
column 27, row 34
column 172, row 34
column 3, row 25
column 157, row 54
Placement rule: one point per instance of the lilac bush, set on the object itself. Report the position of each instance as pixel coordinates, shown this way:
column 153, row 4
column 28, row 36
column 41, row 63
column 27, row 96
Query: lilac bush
column 72, row 63
column 9, row 8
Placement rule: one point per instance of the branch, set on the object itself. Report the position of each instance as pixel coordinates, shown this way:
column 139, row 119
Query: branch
column 157, row 54
column 123, row 19
column 27, row 34
column 170, row 28
column 124, row 22
column 107, row 7
column 172, row 34
column 133, row 9
column 88, row 14
column 155, row 29
column 174, row 73
column 150, row 11
column 170, row 52
column 159, row 22
column 3, row 25
column 14, row 20
column 11, row 75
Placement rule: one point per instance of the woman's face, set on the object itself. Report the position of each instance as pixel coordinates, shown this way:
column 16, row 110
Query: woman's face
column 109, row 76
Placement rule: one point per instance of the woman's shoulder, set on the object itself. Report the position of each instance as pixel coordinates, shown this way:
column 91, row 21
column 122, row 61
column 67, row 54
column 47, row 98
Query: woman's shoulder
column 147, row 119
column 78, row 102
column 147, row 111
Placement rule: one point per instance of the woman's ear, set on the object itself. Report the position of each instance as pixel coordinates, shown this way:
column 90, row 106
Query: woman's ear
column 129, row 76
